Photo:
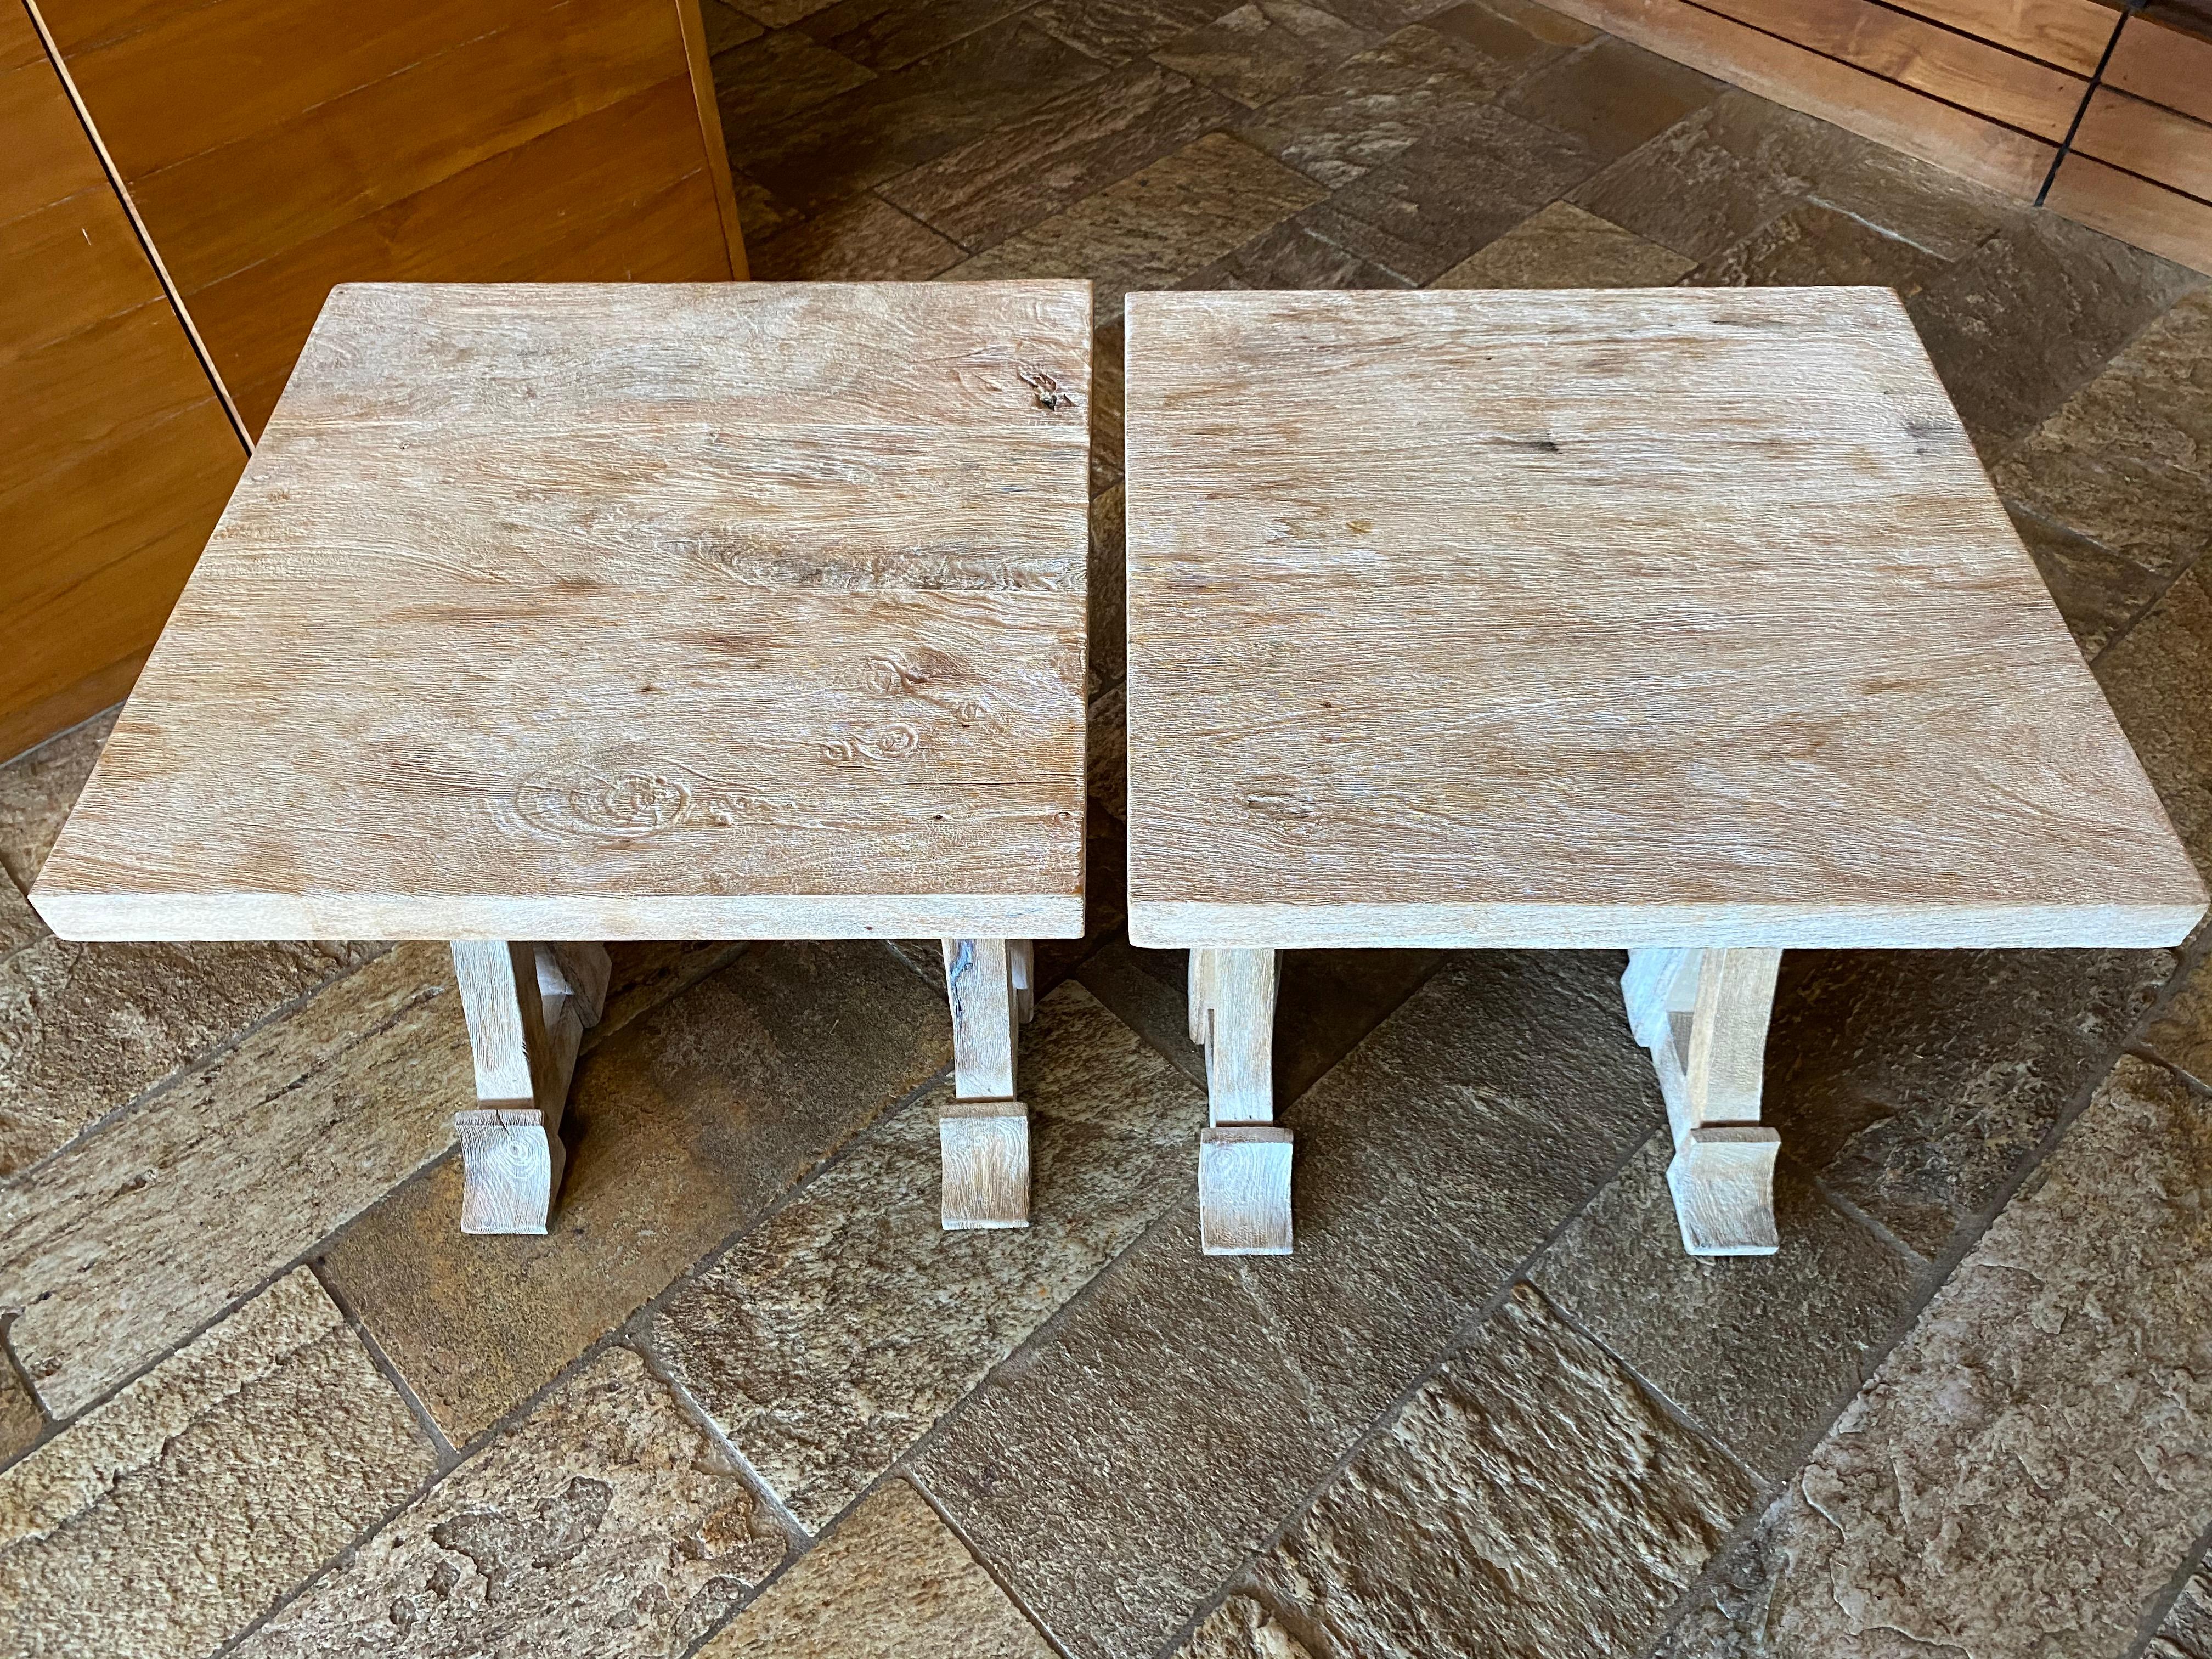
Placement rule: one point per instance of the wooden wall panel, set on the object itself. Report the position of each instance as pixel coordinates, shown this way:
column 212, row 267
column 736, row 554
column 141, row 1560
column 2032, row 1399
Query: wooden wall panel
column 2162, row 144
column 119, row 454
column 2134, row 209
column 1939, row 61
column 2071, row 34
column 275, row 148
column 2163, row 66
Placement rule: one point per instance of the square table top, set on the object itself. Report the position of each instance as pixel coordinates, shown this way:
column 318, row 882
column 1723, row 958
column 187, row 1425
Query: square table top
column 626, row 611
column 1682, row 616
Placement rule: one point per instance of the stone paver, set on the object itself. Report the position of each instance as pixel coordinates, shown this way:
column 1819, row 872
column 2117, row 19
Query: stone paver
column 1240, row 1628
column 1612, row 96
column 681, row 1128
column 1421, row 82
column 2020, row 324
column 2099, row 591
column 85, row 1028
column 1436, row 1155
column 1057, row 154
column 2159, row 678
column 2186, row 1632
column 1713, row 177
column 2182, row 1034
column 835, row 1335
column 119, row 1247
column 1761, row 1351
column 1327, row 1002
column 1815, row 244
column 891, row 1582
column 37, row 790
column 164, row 1522
column 865, row 239
column 2023, row 1472
column 1156, row 226
column 604, row 1524
column 1917, row 1084
column 2127, row 461
column 1564, row 246
column 20, row 1421
column 1531, row 1500
column 1264, row 49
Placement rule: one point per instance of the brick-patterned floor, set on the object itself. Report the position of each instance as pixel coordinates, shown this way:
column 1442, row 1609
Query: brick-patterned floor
column 747, row 1398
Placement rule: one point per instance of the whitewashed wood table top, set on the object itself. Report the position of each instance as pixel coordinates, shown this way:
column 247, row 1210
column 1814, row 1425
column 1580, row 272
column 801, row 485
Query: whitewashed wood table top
column 618, row 612
column 1632, row 617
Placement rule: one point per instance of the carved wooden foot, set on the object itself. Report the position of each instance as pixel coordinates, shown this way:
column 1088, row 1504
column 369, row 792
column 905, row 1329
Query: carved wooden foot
column 1243, row 1159
column 1703, row 1015
column 984, row 1134
column 527, row 1007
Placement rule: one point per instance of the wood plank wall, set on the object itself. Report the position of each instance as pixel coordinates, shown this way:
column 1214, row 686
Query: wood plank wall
column 270, row 149
column 1989, row 88
column 120, row 455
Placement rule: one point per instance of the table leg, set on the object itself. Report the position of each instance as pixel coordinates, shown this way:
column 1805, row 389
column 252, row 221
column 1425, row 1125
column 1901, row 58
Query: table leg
column 1243, row 1159
column 527, row 1007
column 1703, row 1015
column 983, row 1132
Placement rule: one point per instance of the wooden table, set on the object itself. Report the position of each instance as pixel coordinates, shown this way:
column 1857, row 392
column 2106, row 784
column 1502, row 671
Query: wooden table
column 570, row 614
column 1682, row 621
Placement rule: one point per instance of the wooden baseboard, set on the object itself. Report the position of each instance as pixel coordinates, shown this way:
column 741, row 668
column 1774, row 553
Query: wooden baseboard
column 2135, row 210
column 32, row 725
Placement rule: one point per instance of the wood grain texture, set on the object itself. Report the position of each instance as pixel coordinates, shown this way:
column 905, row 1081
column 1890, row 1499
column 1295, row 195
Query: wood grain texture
column 2162, row 145
column 1969, row 145
column 255, row 135
column 118, row 452
column 1244, row 1190
column 627, row 611
column 1237, row 1024
column 2134, row 209
column 984, row 1146
column 2070, row 33
column 2163, row 66
column 1599, row 619
column 979, row 980
column 1939, row 61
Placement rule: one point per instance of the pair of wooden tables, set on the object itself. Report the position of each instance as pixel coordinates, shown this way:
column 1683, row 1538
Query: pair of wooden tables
column 1684, row 622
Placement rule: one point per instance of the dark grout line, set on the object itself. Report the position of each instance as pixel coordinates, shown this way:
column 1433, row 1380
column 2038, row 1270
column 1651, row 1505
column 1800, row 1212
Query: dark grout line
column 2128, row 9
column 1007, row 1586
column 448, row 1458
column 2163, row 1604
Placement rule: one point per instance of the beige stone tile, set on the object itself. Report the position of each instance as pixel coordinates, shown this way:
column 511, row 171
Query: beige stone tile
column 2186, row 1632
column 1421, row 82
column 139, row 1232
column 1918, row 1084
column 1761, row 1351
column 85, row 1028
column 164, row 1522
column 19, row 926
column 890, row 1583
column 2158, row 679
column 1564, row 246
column 2019, row 325
column 37, row 788
column 1240, row 1628
column 1157, row 226
column 1108, row 591
column 644, row 974
column 1264, row 49
column 2099, row 591
column 836, row 1333
column 604, row 1524
column 1714, row 178
column 864, row 240
column 1533, row 1491
column 1131, row 1458
column 2023, row 1472
column 1814, row 244
column 1612, row 96
column 2182, row 1033
column 2127, row 461
column 681, row 1128
column 1058, row 153
column 21, row 1420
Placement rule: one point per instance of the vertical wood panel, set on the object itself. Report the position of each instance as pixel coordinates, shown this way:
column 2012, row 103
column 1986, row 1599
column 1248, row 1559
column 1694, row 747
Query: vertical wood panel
column 119, row 455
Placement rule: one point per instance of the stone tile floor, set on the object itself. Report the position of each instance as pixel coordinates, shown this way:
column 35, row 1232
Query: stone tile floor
column 746, row 1398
